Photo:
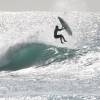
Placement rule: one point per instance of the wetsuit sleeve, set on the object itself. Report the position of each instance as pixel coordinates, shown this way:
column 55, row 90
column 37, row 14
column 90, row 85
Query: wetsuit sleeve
column 61, row 29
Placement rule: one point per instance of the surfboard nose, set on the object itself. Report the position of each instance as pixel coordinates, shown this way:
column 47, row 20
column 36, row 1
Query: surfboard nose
column 65, row 25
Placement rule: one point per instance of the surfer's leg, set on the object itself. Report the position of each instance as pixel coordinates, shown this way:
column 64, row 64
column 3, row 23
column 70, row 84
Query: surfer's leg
column 59, row 36
column 63, row 38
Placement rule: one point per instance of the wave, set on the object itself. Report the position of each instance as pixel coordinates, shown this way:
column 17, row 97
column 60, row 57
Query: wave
column 25, row 55
column 27, row 67
column 18, row 29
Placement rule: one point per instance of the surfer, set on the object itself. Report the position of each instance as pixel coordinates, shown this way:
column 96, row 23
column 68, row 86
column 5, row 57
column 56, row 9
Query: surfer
column 59, row 36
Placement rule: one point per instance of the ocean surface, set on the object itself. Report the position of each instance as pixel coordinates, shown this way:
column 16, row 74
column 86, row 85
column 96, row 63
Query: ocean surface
column 35, row 66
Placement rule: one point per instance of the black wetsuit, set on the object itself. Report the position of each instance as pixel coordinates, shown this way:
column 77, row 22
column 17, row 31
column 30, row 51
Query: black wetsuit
column 59, row 36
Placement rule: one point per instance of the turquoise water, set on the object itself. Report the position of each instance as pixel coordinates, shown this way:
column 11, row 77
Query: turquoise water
column 39, row 54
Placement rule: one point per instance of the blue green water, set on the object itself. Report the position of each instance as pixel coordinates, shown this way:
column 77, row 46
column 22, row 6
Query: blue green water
column 38, row 54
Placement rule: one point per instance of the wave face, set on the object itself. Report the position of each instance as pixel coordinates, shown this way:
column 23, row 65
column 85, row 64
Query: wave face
column 26, row 55
column 34, row 64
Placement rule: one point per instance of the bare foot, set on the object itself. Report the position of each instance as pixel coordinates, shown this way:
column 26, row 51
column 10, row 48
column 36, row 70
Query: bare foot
column 65, row 41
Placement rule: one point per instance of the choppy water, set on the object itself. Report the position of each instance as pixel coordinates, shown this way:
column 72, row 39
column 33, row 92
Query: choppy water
column 33, row 65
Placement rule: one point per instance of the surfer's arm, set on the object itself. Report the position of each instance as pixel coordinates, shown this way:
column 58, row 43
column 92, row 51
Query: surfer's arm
column 61, row 29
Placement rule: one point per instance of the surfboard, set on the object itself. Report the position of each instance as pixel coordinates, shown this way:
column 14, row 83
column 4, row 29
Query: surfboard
column 65, row 25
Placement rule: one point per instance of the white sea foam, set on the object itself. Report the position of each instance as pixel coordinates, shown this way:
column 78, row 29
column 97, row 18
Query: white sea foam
column 79, row 75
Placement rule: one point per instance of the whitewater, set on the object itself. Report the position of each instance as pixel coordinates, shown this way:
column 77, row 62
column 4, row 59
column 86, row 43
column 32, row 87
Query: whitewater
column 35, row 66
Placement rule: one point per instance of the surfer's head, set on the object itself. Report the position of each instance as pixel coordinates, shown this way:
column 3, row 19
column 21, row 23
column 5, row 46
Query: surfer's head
column 56, row 26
